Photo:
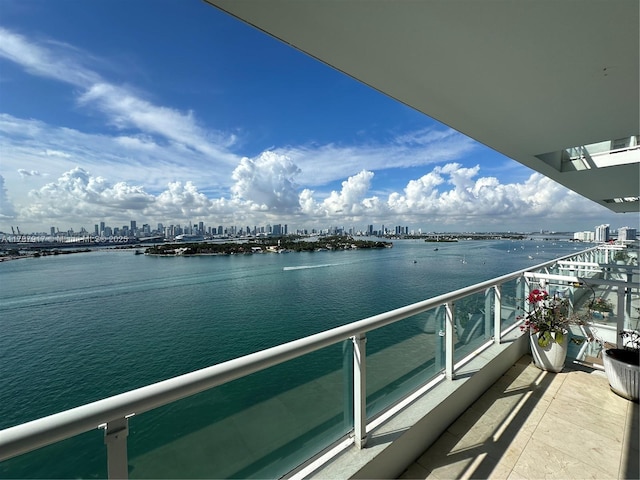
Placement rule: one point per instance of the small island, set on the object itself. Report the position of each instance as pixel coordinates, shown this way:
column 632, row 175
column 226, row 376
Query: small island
column 269, row 245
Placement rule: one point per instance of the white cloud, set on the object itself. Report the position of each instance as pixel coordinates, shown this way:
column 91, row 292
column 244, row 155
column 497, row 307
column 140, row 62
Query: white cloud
column 181, row 201
column 28, row 173
column 34, row 146
column 349, row 200
column 267, row 183
column 123, row 107
column 56, row 153
column 7, row 210
column 320, row 165
column 78, row 194
column 126, row 110
column 469, row 200
column 42, row 61
column 448, row 196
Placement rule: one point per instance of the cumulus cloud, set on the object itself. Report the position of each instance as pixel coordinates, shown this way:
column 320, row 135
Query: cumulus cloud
column 267, row 183
column 181, row 201
column 7, row 210
column 449, row 194
column 264, row 190
column 348, row 202
column 79, row 194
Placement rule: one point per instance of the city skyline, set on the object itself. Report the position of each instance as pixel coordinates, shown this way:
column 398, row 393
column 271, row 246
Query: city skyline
column 176, row 111
column 134, row 229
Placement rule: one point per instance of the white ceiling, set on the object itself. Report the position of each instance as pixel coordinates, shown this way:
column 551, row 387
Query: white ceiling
column 525, row 77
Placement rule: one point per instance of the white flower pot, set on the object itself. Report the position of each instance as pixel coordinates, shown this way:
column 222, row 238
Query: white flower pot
column 550, row 358
column 623, row 372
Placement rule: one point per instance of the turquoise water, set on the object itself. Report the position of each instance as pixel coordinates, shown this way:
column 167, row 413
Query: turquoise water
column 78, row 328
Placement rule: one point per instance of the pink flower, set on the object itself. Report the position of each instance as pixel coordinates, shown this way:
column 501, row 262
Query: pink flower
column 537, row 296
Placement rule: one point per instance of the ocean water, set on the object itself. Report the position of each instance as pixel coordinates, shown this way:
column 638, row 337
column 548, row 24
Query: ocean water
column 81, row 327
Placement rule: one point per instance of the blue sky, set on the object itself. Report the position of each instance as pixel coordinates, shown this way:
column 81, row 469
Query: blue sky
column 172, row 112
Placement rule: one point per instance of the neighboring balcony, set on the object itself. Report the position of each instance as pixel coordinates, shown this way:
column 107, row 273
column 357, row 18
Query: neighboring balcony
column 349, row 402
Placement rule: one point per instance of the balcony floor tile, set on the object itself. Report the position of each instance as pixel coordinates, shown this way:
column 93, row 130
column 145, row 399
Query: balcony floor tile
column 532, row 424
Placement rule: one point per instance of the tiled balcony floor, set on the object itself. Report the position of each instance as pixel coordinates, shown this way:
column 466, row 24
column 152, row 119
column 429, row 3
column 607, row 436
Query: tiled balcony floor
column 532, row 424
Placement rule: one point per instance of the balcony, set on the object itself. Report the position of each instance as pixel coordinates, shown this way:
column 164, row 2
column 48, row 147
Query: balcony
column 376, row 405
column 534, row 424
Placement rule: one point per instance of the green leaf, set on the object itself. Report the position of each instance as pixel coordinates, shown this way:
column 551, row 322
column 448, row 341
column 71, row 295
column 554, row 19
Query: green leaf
column 544, row 339
column 559, row 338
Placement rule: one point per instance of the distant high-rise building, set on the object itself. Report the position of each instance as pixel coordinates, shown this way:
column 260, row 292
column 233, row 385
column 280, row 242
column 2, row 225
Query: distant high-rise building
column 626, row 234
column 53, row 231
column 134, row 228
column 602, row 233
column 102, row 226
column 96, row 229
column 584, row 236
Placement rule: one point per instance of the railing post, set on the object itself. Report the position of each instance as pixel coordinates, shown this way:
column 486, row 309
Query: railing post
column 347, row 384
column 115, row 438
column 488, row 321
column 521, row 295
column 360, row 389
column 448, row 339
column 621, row 317
column 497, row 314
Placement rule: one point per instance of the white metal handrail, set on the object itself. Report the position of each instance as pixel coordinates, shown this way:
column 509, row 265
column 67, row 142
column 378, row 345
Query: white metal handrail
column 38, row 433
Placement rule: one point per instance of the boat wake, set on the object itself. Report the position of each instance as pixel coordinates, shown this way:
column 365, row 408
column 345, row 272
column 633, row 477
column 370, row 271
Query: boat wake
column 304, row 267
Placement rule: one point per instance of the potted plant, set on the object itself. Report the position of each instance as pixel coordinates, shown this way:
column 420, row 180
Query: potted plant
column 600, row 307
column 547, row 321
column 621, row 257
column 622, row 366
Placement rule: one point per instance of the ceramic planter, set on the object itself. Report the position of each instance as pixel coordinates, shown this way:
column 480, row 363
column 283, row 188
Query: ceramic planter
column 597, row 314
column 623, row 372
column 550, row 358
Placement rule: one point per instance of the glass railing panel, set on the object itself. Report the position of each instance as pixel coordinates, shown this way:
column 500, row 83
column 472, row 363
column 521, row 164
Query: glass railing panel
column 259, row 426
column 511, row 303
column 403, row 356
column 632, row 309
column 595, row 307
column 473, row 323
column 598, row 304
column 82, row 456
